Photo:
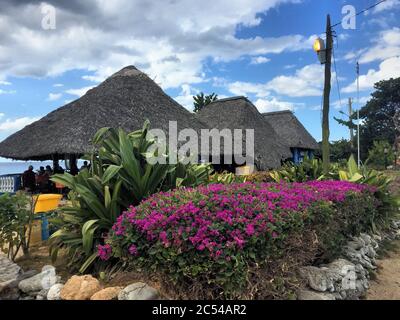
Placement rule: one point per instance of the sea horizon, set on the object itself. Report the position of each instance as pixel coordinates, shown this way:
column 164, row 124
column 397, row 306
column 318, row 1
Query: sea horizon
column 18, row 167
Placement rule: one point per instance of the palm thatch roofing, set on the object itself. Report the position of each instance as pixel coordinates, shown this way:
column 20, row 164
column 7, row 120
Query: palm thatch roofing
column 124, row 100
column 291, row 130
column 240, row 113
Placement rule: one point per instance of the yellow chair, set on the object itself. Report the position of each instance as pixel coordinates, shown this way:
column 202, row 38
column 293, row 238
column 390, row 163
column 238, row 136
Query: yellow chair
column 40, row 226
column 47, row 202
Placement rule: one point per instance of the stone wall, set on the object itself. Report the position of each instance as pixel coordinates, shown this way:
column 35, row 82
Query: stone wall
column 346, row 278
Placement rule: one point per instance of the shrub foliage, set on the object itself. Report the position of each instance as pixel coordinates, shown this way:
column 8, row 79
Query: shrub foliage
column 215, row 236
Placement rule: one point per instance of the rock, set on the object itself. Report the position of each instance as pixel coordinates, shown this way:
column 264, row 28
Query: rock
column 356, row 243
column 317, row 278
column 110, row 293
column 9, row 290
column 370, row 252
column 43, row 293
column 43, row 280
column 8, row 269
column 39, row 297
column 80, row 288
column 55, row 292
column 367, row 238
column 312, row 295
column 138, row 291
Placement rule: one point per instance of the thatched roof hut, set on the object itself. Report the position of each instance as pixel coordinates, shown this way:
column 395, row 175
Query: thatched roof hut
column 240, row 113
column 126, row 100
column 290, row 130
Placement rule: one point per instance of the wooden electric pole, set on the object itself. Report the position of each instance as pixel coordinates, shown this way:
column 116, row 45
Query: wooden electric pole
column 351, row 128
column 327, row 91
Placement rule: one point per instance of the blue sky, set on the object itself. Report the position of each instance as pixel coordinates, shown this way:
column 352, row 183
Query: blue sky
column 260, row 49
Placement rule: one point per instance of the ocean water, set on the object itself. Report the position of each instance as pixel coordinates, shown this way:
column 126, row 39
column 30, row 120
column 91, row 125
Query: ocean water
column 11, row 167
column 20, row 166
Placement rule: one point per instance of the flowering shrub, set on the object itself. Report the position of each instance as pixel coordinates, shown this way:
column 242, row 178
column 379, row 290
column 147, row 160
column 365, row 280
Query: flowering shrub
column 213, row 233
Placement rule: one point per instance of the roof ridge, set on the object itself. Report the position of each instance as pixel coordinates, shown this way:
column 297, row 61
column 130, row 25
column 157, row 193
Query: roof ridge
column 230, row 99
column 277, row 112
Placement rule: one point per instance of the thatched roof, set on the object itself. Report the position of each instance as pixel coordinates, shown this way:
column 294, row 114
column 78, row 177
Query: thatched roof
column 291, row 130
column 126, row 100
column 240, row 113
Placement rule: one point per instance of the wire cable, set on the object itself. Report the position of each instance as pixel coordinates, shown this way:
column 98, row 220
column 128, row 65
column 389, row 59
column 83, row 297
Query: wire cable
column 360, row 12
column 337, row 80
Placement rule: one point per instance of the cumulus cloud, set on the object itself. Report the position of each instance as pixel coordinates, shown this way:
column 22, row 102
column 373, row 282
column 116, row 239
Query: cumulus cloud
column 305, row 82
column 387, row 69
column 386, row 45
column 387, row 5
column 54, row 96
column 7, row 91
column 79, row 92
column 4, row 83
column 57, row 85
column 273, row 104
column 185, row 98
column 240, row 88
column 12, row 125
column 169, row 40
column 259, row 60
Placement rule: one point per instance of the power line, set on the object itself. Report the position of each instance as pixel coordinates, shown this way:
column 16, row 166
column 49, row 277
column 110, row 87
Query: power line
column 362, row 11
column 337, row 80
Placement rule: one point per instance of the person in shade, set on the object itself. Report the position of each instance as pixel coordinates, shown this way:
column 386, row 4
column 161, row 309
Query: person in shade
column 42, row 180
column 29, row 180
column 85, row 165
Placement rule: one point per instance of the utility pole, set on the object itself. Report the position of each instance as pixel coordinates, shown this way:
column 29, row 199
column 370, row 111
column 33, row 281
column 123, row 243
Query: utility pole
column 358, row 115
column 351, row 128
column 327, row 90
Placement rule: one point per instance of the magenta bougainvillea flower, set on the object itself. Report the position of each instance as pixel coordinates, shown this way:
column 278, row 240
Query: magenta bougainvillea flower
column 218, row 219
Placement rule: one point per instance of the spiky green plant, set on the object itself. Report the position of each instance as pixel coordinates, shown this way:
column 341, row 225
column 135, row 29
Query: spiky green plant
column 119, row 176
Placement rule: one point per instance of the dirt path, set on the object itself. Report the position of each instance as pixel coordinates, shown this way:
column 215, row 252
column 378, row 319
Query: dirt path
column 386, row 286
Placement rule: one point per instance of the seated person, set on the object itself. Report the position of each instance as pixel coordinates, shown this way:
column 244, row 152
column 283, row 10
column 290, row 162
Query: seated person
column 29, row 180
column 85, row 165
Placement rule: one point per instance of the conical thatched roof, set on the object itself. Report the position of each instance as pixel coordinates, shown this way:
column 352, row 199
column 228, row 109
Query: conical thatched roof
column 240, row 113
column 291, row 130
column 126, row 100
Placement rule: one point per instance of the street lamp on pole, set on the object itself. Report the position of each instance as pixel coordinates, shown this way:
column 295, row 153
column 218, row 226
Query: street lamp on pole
column 324, row 52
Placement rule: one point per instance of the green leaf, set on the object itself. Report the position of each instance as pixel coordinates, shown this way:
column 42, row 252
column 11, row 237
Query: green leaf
column 99, row 135
column 88, row 262
column 88, row 230
column 110, row 173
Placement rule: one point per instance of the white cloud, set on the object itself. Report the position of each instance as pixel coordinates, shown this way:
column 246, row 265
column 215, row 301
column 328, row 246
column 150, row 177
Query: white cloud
column 389, row 68
column 7, row 91
column 240, row 88
column 1, row 115
column 387, row 5
column 273, row 104
column 386, row 45
column 259, row 60
column 185, row 98
column 57, row 85
column 78, row 92
column 307, row 81
column 103, row 36
column 54, row 96
column 12, row 125
column 4, row 83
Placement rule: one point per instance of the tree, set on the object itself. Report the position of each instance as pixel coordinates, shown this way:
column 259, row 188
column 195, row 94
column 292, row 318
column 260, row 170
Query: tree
column 200, row 100
column 341, row 150
column 381, row 155
column 377, row 115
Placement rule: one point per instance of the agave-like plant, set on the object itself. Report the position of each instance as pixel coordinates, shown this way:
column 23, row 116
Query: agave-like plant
column 309, row 169
column 119, row 176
